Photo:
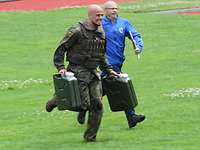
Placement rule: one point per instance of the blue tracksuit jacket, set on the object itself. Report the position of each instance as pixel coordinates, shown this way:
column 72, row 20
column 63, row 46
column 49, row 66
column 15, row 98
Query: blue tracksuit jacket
column 115, row 38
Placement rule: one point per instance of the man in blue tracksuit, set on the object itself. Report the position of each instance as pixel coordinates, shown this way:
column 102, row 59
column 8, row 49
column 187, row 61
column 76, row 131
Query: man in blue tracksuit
column 116, row 30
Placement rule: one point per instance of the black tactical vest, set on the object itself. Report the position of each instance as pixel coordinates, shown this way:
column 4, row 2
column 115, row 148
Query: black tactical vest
column 89, row 49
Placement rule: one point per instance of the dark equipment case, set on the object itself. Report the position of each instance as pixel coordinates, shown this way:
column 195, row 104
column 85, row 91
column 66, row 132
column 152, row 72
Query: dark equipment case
column 120, row 93
column 68, row 93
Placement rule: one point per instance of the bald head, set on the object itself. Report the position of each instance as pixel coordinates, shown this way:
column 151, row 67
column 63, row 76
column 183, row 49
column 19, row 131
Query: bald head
column 110, row 4
column 95, row 14
column 111, row 10
column 93, row 9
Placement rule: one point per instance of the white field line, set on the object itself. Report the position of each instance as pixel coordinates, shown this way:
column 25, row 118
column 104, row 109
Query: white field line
column 19, row 84
column 184, row 92
column 155, row 5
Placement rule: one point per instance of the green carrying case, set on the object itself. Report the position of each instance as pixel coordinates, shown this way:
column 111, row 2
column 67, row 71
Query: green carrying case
column 68, row 93
column 120, row 93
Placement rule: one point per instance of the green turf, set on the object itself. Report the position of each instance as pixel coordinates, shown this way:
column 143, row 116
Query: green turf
column 170, row 62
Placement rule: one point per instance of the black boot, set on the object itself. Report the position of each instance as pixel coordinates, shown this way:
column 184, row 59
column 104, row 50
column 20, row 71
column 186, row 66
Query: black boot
column 134, row 119
column 90, row 139
column 51, row 104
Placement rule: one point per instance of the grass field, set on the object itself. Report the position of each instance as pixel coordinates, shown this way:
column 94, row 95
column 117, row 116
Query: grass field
column 170, row 62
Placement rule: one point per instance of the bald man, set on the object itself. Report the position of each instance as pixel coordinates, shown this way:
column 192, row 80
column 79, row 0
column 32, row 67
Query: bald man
column 116, row 30
column 84, row 46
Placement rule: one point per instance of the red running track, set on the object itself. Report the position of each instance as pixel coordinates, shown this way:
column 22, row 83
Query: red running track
column 33, row 5
column 189, row 12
